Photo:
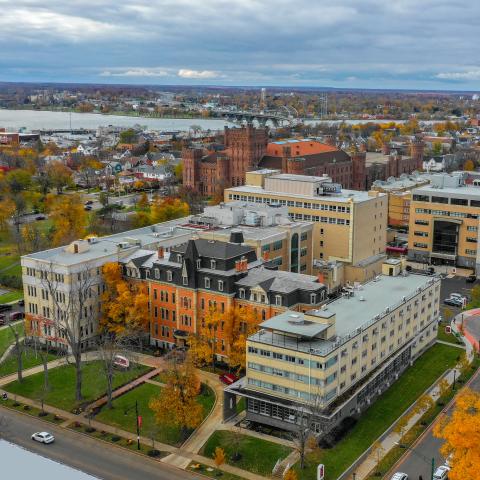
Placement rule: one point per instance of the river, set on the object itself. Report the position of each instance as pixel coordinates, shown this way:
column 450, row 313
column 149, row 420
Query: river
column 37, row 120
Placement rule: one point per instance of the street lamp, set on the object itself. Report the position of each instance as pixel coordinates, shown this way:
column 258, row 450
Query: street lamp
column 125, row 412
column 423, row 457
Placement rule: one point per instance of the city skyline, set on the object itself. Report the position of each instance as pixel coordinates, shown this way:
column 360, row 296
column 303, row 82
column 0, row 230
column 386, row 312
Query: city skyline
column 368, row 44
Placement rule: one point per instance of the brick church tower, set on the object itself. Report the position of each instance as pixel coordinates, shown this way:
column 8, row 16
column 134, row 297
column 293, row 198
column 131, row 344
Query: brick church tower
column 247, row 146
column 359, row 171
column 416, row 152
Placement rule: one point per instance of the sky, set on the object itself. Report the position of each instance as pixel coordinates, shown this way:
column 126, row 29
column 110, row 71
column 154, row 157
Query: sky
column 411, row 44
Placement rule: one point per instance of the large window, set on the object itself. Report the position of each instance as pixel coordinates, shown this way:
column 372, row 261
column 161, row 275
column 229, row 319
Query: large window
column 445, row 237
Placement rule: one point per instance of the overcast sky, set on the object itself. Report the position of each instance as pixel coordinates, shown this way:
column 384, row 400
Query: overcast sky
column 343, row 43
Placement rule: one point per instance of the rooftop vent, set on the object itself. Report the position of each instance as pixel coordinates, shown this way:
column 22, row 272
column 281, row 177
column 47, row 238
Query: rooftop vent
column 361, row 298
column 236, row 236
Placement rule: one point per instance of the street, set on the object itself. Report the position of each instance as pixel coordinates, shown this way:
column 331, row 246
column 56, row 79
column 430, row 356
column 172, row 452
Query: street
column 418, row 461
column 83, row 453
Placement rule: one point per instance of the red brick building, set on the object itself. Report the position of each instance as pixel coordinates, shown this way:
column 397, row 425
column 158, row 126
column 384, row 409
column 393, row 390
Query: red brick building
column 247, row 148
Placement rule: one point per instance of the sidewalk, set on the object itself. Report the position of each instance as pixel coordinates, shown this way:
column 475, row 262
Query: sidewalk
column 392, row 438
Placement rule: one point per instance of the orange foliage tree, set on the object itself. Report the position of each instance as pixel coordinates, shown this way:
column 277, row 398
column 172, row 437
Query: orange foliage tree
column 124, row 304
column 235, row 325
column 461, row 432
column 177, row 405
column 68, row 217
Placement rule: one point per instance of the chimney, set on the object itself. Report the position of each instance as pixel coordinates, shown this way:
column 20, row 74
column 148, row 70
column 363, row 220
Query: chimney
column 160, row 252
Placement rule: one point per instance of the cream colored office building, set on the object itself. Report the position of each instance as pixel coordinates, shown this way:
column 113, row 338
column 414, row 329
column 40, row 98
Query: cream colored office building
column 340, row 357
column 349, row 226
column 444, row 221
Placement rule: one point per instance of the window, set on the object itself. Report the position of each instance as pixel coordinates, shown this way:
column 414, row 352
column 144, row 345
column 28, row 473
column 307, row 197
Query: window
column 169, row 275
column 220, row 285
column 241, row 293
column 207, row 282
column 185, row 280
column 157, row 273
column 313, row 298
column 213, row 264
column 278, row 300
column 421, row 222
column 421, row 198
column 458, row 201
column 199, row 264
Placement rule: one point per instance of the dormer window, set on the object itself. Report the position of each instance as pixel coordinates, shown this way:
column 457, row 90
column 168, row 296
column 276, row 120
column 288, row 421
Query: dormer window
column 207, row 282
column 220, row 285
column 241, row 293
column 199, row 264
column 147, row 273
column 278, row 300
column 313, row 298
column 157, row 273
column 169, row 275
column 213, row 264
column 185, row 280
column 179, row 258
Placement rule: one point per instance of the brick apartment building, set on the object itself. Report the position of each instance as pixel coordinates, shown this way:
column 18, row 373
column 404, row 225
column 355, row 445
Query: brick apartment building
column 187, row 281
column 210, row 169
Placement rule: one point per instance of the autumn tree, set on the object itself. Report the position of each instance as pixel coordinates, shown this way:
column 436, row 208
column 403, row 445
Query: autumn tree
column 464, row 364
column 124, row 304
column 469, row 166
column 176, row 405
column 163, row 210
column 60, row 175
column 68, row 217
column 219, row 456
column 461, row 434
column 443, row 388
column 290, row 475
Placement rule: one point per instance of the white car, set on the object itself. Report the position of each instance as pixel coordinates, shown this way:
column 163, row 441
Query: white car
column 458, row 296
column 43, row 437
column 399, row 476
column 441, row 473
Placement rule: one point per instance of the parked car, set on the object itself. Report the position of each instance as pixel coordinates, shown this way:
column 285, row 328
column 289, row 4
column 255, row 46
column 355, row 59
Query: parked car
column 89, row 202
column 454, row 302
column 87, row 208
column 43, row 437
column 441, row 473
column 399, row 476
column 16, row 316
column 228, row 378
column 21, row 303
column 457, row 295
column 40, row 217
column 3, row 319
column 471, row 279
column 5, row 307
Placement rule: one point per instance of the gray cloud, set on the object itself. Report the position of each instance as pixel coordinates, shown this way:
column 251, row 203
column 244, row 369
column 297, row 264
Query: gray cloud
column 357, row 43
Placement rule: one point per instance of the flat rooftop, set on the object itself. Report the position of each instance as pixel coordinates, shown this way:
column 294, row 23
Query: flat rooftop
column 345, row 196
column 351, row 313
column 105, row 246
column 464, row 191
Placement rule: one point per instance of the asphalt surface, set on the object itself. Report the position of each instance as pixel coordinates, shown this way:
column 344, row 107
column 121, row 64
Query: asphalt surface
column 88, row 455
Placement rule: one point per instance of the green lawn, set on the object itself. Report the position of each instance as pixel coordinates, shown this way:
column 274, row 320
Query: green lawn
column 7, row 337
column 446, row 337
column 383, row 412
column 30, row 359
column 62, row 381
column 142, row 394
column 11, row 296
column 257, row 455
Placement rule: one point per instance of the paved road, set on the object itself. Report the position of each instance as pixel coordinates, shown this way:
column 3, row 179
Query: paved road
column 98, row 459
column 418, row 462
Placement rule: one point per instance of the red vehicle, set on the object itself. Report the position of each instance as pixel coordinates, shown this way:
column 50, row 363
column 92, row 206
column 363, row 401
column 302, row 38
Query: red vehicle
column 398, row 248
column 228, row 378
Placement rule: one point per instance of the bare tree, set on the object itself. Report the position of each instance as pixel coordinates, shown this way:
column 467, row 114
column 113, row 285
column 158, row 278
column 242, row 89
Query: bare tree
column 19, row 347
column 109, row 347
column 69, row 319
column 304, row 435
